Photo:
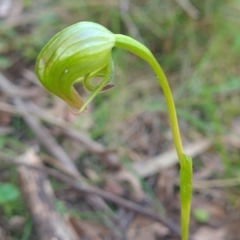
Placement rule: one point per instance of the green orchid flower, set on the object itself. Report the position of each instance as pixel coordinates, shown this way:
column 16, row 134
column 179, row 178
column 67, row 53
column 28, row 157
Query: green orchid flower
column 76, row 54
column 82, row 52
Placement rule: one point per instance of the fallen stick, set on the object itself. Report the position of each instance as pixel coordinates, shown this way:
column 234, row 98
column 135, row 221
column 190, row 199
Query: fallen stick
column 40, row 200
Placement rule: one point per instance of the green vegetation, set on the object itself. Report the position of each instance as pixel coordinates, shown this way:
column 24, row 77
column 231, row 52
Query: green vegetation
column 201, row 215
column 8, row 194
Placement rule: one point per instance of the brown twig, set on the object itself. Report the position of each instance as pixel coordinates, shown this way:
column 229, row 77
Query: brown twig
column 40, row 201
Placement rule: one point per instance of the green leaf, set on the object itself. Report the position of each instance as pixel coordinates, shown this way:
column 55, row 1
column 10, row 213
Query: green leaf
column 201, row 215
column 8, row 193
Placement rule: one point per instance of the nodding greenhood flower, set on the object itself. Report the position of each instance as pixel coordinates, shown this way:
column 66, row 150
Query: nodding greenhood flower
column 76, row 54
column 82, row 52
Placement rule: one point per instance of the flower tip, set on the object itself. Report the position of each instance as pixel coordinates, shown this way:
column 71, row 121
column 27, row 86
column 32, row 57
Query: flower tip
column 107, row 87
column 76, row 111
column 83, row 109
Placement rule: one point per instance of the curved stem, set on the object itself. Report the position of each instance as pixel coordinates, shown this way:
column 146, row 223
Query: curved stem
column 137, row 48
column 140, row 50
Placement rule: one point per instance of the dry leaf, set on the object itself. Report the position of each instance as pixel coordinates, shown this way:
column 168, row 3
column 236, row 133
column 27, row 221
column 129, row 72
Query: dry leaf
column 207, row 233
column 143, row 229
column 89, row 230
column 16, row 223
column 165, row 184
column 125, row 176
column 113, row 187
column 233, row 230
column 92, row 175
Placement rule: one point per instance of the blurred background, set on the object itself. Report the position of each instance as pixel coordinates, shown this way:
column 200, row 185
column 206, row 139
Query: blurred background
column 122, row 144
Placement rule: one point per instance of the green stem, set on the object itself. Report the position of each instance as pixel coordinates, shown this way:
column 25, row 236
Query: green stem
column 140, row 50
column 186, row 195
